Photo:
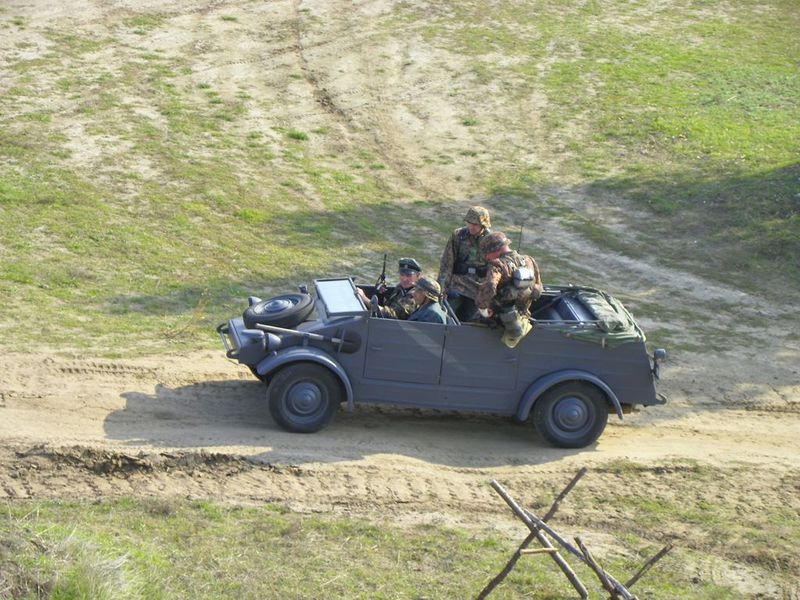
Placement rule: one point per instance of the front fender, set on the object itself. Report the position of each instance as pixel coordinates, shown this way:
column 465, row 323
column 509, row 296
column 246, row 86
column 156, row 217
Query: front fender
column 541, row 385
column 307, row 354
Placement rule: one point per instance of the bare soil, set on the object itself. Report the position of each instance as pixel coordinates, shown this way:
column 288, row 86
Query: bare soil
column 197, row 425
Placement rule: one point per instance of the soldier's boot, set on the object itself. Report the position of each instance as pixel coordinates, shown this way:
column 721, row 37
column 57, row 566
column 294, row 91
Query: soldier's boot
column 516, row 328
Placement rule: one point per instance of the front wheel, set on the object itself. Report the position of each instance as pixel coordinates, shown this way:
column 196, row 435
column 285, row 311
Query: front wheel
column 572, row 414
column 304, row 397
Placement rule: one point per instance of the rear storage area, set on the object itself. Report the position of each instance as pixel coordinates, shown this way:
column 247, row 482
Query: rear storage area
column 588, row 314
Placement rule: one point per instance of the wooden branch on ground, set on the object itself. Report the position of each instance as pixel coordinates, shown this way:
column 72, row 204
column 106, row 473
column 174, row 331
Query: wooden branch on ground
column 523, row 548
column 538, row 528
column 538, row 550
column 646, row 566
column 621, row 591
column 612, row 588
column 557, row 502
column 536, row 531
column 508, row 568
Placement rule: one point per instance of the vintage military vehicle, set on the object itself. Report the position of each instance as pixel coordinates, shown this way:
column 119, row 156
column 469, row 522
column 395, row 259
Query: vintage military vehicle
column 586, row 358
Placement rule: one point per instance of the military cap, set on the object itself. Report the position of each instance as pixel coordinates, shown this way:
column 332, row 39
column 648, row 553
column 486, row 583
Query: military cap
column 477, row 215
column 493, row 242
column 408, row 266
column 429, row 287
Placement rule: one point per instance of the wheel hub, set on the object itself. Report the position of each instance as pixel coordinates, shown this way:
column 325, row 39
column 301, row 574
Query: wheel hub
column 275, row 306
column 304, row 398
column 571, row 414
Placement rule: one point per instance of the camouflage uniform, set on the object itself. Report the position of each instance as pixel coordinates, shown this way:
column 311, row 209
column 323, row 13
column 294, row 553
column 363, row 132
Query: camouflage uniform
column 463, row 264
column 399, row 303
column 510, row 303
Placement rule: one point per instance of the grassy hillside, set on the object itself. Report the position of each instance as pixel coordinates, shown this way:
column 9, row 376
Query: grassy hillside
column 137, row 549
column 157, row 167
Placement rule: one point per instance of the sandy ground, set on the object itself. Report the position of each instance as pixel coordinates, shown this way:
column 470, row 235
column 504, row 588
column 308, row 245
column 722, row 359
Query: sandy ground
column 197, row 426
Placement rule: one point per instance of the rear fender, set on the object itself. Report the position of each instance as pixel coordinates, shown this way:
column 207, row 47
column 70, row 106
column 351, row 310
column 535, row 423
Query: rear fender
column 541, row 385
column 306, row 354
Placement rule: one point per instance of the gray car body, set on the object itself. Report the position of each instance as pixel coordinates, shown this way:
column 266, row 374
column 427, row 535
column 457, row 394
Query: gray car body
column 463, row 367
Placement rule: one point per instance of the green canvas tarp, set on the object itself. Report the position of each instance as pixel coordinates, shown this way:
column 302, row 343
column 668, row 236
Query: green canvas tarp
column 614, row 326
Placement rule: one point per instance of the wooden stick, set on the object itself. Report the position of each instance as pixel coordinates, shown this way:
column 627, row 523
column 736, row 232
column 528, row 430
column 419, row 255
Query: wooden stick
column 570, row 574
column 563, row 494
column 646, row 567
column 616, row 589
column 601, row 574
column 523, row 548
column 537, row 550
column 569, row 547
column 538, row 523
column 509, row 566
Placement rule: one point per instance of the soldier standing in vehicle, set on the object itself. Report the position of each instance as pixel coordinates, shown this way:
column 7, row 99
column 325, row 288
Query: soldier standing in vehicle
column 399, row 303
column 463, row 265
column 512, row 283
column 427, row 294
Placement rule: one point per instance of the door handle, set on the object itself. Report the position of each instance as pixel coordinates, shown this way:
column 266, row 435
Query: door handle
column 376, row 348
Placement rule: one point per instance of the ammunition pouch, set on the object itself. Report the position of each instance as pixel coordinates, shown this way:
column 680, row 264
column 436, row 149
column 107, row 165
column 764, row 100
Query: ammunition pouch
column 523, row 278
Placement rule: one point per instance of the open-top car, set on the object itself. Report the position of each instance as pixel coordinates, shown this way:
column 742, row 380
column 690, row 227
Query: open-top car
column 585, row 358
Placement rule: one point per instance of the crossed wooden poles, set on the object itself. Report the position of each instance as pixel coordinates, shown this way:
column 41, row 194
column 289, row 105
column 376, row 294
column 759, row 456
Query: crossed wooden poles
column 540, row 530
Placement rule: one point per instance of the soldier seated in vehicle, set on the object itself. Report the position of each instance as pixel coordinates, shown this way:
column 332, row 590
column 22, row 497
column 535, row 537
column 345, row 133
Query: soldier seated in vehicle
column 428, row 295
column 512, row 283
column 399, row 302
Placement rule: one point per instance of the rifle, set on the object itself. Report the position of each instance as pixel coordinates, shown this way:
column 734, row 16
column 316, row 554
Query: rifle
column 380, row 284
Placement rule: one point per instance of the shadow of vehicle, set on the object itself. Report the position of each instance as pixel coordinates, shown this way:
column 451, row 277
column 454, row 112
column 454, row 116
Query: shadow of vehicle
column 233, row 415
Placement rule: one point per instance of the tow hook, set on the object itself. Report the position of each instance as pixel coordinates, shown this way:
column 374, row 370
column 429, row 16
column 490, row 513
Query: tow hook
column 659, row 354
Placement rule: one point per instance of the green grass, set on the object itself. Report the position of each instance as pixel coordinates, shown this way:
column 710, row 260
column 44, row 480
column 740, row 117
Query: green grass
column 297, row 135
column 198, row 196
column 160, row 549
column 691, row 111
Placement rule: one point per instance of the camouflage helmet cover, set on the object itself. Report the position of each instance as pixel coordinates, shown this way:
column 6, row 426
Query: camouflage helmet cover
column 430, row 288
column 493, row 242
column 477, row 215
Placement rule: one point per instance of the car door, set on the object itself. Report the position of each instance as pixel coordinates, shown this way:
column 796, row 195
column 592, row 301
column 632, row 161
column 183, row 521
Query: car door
column 475, row 357
column 404, row 351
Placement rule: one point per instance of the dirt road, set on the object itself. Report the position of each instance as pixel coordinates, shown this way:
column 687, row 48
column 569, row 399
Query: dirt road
column 197, row 427
column 72, row 415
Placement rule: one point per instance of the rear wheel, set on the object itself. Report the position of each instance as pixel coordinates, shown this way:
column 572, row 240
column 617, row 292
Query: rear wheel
column 304, row 397
column 572, row 414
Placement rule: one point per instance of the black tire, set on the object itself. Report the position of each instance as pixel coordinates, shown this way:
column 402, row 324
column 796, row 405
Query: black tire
column 303, row 397
column 571, row 414
column 287, row 310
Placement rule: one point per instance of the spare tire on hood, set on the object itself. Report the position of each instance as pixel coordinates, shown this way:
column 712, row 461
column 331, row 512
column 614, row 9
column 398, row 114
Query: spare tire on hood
column 287, row 310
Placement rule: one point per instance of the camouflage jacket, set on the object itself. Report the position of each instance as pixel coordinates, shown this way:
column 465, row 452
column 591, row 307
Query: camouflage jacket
column 462, row 265
column 498, row 291
column 399, row 303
